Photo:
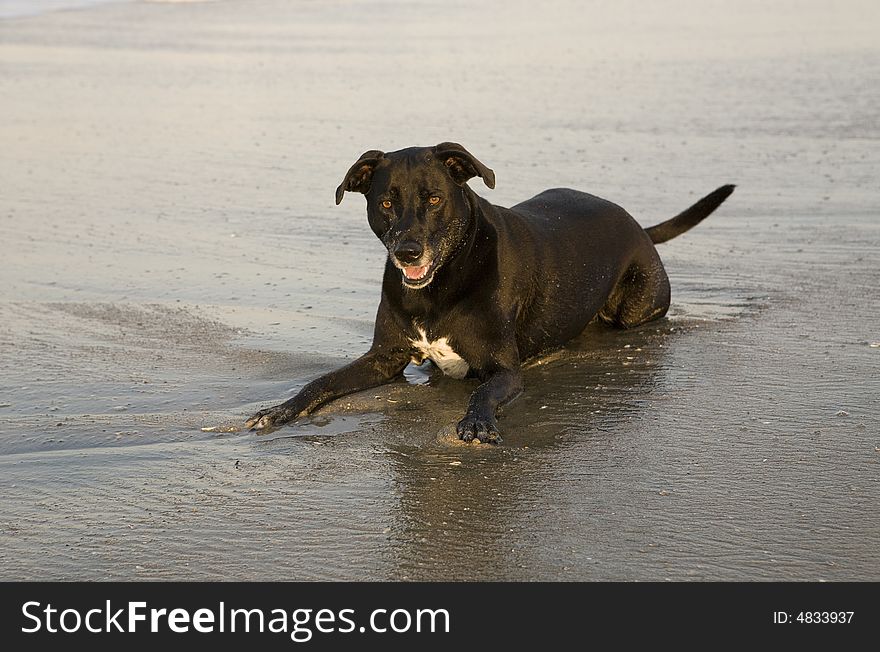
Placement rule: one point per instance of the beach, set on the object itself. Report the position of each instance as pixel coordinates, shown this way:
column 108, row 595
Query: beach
column 174, row 261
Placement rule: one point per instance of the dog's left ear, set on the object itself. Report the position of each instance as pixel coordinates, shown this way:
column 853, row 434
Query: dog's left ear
column 463, row 165
column 359, row 175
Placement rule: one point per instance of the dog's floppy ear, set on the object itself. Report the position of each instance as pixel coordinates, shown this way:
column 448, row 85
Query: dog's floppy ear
column 359, row 175
column 462, row 164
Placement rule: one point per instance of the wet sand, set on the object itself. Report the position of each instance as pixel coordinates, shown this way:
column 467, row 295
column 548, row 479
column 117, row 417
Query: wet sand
column 173, row 260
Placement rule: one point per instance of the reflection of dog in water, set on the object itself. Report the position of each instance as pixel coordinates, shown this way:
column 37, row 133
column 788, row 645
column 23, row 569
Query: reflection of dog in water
column 478, row 288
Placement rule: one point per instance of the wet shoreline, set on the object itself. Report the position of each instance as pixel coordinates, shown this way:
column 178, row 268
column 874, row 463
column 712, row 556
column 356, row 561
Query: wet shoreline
column 174, row 261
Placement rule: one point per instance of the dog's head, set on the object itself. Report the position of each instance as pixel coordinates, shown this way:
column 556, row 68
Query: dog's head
column 417, row 203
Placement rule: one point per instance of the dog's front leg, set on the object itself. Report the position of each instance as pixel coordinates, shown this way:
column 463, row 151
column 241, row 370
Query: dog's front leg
column 374, row 368
column 384, row 361
column 499, row 387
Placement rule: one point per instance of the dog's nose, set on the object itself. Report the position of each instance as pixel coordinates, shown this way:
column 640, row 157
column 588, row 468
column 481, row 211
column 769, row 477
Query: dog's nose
column 408, row 251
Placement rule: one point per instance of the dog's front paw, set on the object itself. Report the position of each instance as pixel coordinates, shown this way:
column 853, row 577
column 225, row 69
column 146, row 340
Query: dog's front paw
column 270, row 418
column 482, row 428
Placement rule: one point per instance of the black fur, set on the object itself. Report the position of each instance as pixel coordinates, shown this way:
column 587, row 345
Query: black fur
column 500, row 284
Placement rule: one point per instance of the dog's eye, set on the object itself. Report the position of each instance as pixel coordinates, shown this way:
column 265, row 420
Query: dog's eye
column 433, row 200
column 386, row 203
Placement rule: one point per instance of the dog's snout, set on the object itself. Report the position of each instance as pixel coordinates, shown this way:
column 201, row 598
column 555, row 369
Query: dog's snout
column 408, row 251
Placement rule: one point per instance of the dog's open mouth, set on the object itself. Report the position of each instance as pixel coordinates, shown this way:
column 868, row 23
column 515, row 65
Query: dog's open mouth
column 417, row 277
column 416, row 273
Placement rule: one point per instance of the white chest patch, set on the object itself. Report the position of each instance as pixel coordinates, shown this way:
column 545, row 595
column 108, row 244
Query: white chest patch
column 441, row 354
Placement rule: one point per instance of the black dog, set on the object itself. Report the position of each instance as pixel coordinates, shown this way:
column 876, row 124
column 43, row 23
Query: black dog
column 478, row 289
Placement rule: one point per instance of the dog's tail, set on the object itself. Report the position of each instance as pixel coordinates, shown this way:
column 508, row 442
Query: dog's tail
column 690, row 217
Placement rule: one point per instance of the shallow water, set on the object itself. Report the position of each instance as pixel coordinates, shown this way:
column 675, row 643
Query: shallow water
column 173, row 261
column 26, row 8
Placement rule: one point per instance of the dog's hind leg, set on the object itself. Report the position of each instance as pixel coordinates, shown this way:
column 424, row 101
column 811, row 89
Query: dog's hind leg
column 641, row 295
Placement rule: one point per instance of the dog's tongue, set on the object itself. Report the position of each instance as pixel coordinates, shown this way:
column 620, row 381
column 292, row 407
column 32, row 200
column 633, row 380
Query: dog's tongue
column 415, row 273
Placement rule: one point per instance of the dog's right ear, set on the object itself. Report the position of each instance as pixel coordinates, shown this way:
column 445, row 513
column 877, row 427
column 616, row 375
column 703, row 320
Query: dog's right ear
column 359, row 175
